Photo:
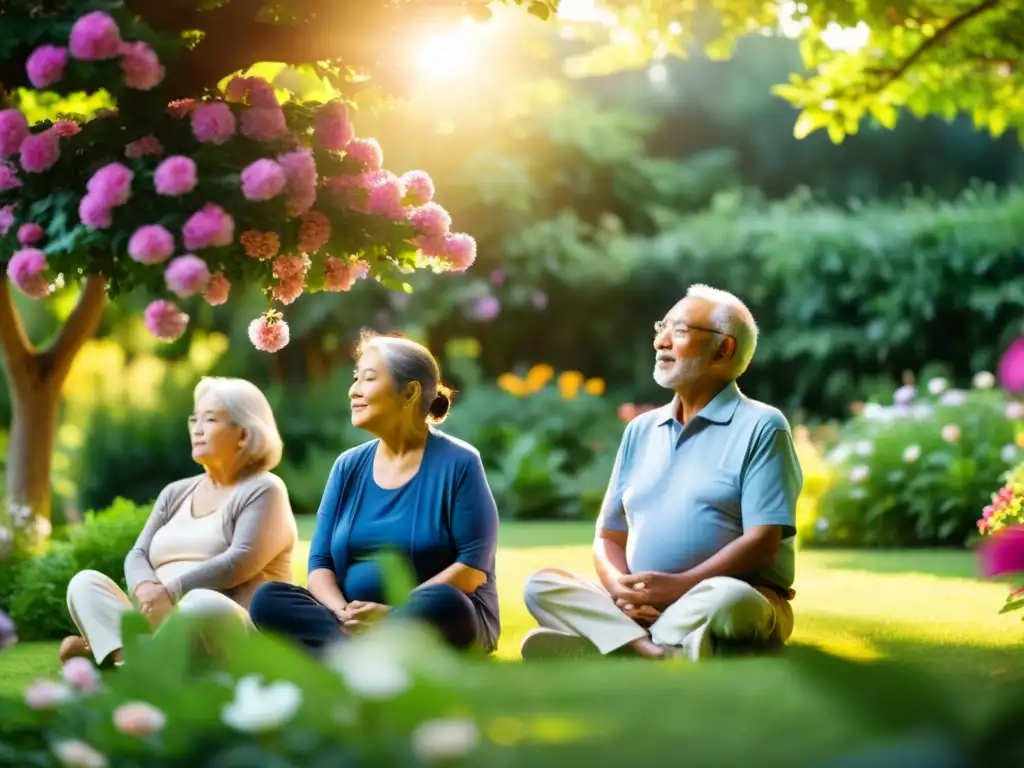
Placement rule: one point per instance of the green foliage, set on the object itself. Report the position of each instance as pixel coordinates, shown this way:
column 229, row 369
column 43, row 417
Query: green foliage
column 216, row 695
column 916, row 472
column 38, row 602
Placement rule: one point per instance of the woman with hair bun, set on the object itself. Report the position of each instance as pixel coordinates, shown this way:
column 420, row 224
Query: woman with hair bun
column 412, row 490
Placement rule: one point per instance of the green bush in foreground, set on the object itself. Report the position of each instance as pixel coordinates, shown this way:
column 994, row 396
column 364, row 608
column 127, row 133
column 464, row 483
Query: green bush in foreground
column 37, row 597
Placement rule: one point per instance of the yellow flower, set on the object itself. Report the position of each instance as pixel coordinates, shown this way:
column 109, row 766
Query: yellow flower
column 569, row 384
column 1020, row 439
column 512, row 384
column 594, row 386
column 539, row 375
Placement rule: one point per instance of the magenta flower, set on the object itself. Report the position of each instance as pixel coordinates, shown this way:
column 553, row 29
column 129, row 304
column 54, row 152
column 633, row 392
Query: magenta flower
column 432, row 221
column 1003, row 552
column 263, row 123
column 300, row 172
column 45, row 66
column 13, row 131
column 6, row 219
column 340, row 275
column 1010, row 372
column 486, row 308
column 263, row 180
column 210, row 226
column 213, row 123
column 419, row 187
column 66, row 128
column 367, row 152
column 8, row 178
column 333, row 129
column 165, row 320
column 151, row 244
column 260, row 93
column 217, row 290
column 186, row 276
column 111, row 185
column 147, row 145
column 40, row 152
column 459, row 251
column 385, row 199
column 8, row 633
column 95, row 36
column 26, row 270
column 93, row 213
column 175, row 176
column 269, row 333
column 142, row 69
column 30, row 233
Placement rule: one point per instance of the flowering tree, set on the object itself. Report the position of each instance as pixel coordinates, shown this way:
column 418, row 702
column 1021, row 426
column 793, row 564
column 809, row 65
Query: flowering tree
column 194, row 181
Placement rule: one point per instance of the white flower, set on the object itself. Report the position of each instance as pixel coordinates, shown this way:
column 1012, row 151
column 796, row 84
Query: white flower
column 911, row 453
column 821, row 524
column 839, row 454
column 81, row 673
column 139, row 718
column 373, row 671
column 983, row 380
column 951, row 433
column 937, row 385
column 904, row 395
column 953, row 398
column 921, row 411
column 77, row 754
column 1014, row 411
column 864, row 448
column 259, row 707
column 876, row 412
column 20, row 514
column 445, row 739
column 859, row 474
column 1009, row 453
column 858, row 493
column 47, row 694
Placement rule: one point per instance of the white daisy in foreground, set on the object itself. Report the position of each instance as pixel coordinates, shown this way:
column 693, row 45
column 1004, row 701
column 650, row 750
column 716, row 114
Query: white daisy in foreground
column 911, row 453
column 445, row 739
column 258, row 707
column 77, row 754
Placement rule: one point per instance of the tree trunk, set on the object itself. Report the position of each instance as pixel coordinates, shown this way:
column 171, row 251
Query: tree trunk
column 35, row 379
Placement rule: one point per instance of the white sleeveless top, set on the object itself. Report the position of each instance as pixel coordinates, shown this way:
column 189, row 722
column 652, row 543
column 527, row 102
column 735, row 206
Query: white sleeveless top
column 186, row 541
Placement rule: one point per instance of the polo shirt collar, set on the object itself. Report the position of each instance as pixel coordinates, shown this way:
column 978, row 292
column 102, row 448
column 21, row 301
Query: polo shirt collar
column 719, row 411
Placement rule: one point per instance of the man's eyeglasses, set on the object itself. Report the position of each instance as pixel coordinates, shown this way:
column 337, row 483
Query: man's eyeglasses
column 681, row 329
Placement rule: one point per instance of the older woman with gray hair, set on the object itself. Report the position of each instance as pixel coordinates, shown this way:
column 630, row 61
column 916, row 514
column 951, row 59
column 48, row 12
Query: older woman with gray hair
column 413, row 491
column 210, row 540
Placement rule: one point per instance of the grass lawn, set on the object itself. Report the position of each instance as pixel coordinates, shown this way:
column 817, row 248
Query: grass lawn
column 924, row 607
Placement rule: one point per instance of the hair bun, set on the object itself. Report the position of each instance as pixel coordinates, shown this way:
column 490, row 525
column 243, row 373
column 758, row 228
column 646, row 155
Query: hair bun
column 440, row 406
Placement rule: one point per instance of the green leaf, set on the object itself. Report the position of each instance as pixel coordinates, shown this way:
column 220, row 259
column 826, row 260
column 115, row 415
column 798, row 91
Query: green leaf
column 997, row 121
column 399, row 580
column 884, row 113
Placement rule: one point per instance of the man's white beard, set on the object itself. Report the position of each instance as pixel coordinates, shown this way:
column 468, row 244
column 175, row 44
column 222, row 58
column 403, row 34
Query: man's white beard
column 684, row 371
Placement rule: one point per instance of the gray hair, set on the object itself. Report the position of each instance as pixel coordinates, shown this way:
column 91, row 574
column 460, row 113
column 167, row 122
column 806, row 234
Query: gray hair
column 408, row 361
column 247, row 407
column 731, row 317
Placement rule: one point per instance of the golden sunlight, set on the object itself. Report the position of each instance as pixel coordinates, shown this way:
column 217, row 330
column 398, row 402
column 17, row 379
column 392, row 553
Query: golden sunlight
column 448, row 54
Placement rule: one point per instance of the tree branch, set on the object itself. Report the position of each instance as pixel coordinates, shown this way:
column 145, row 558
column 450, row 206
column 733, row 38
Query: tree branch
column 78, row 329
column 18, row 351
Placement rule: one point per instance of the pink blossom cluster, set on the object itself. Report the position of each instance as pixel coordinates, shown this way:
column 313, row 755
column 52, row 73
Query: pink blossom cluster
column 165, row 320
column 147, row 145
column 269, row 333
column 95, row 37
column 341, row 275
column 314, row 232
column 291, row 272
column 27, row 272
column 108, row 188
column 176, row 176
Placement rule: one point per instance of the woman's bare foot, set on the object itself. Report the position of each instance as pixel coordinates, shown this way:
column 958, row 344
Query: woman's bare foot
column 72, row 647
column 648, row 648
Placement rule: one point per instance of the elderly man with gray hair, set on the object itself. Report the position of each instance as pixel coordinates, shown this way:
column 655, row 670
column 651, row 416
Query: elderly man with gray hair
column 210, row 540
column 694, row 548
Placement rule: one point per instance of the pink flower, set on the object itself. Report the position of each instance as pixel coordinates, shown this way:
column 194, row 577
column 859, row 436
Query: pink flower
column 367, row 152
column 180, row 108
column 300, row 172
column 263, row 123
column 385, row 199
column 341, row 276
column 151, row 244
column 142, row 69
column 137, row 718
column 93, row 213
column 6, row 219
column 46, row 65
column 314, row 232
column 40, row 151
column 13, row 131
column 8, row 178
column 46, row 694
column 419, row 187
column 269, row 333
column 213, row 123
column 111, row 185
column 147, row 145
column 291, row 267
column 81, row 674
column 30, row 233
column 210, row 226
column 95, row 36
column 260, row 93
column 66, row 128
column 75, row 753
column 217, row 290
column 333, row 129
column 486, row 308
column 175, row 176
column 289, row 290
column 433, row 221
column 26, row 271
column 459, row 251
column 1014, row 411
column 1003, row 552
column 186, row 276
column 263, row 180
column 1011, row 367
column 165, row 321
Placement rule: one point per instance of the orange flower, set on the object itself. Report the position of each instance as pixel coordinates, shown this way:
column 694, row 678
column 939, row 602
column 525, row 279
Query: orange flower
column 539, row 375
column 260, row 245
column 594, row 386
column 569, row 384
column 509, row 382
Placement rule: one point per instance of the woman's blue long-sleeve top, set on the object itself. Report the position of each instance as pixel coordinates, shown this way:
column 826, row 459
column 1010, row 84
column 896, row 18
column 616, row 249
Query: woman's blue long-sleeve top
column 444, row 515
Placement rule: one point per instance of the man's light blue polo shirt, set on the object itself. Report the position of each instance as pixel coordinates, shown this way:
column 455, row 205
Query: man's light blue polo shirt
column 685, row 492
